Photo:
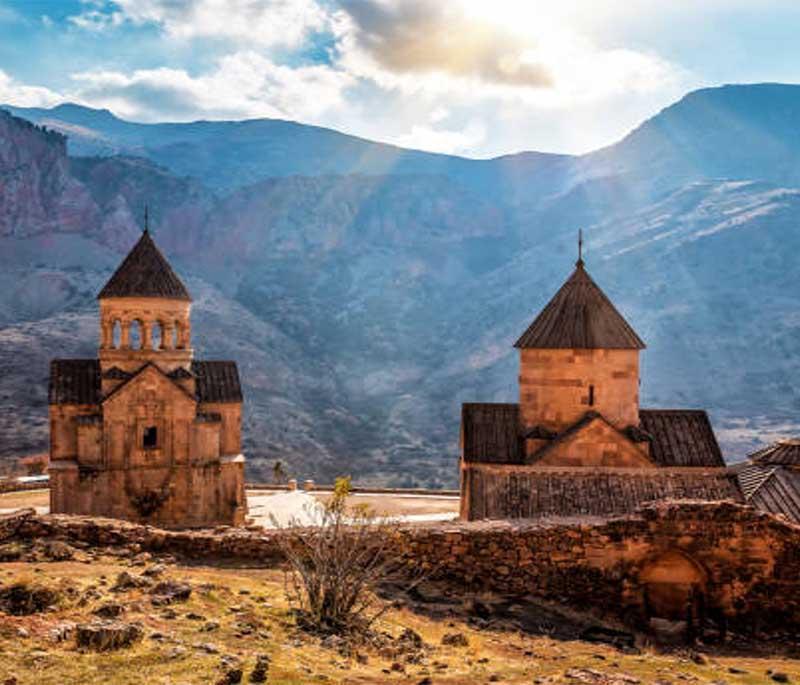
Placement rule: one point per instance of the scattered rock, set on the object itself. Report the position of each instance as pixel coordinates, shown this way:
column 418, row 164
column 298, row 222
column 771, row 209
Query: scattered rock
column 154, row 571
column 109, row 610
column 455, row 640
column 231, row 671
column 62, row 632
column 55, row 550
column 141, row 559
column 779, row 677
column 411, row 637
column 12, row 551
column 170, row 591
column 207, row 647
column 616, row 638
column 24, row 598
column 261, row 669
column 103, row 636
column 127, row 581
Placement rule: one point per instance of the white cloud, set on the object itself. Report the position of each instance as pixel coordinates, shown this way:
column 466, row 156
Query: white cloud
column 504, row 50
column 433, row 139
column 243, row 84
column 15, row 93
column 265, row 23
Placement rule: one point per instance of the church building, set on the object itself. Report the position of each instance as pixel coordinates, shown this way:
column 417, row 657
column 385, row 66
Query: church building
column 577, row 443
column 146, row 432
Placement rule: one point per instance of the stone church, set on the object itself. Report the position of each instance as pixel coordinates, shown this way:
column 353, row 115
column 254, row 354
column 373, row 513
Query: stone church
column 145, row 432
column 577, row 443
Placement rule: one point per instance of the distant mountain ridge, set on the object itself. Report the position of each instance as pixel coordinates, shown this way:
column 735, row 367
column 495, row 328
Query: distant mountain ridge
column 366, row 290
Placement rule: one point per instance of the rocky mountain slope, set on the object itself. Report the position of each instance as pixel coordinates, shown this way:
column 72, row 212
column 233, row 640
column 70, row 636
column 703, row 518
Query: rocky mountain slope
column 364, row 301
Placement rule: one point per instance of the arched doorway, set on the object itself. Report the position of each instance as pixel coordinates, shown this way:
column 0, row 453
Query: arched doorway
column 674, row 587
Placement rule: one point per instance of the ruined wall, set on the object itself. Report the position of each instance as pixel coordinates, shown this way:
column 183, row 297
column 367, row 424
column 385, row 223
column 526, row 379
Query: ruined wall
column 554, row 386
column 745, row 563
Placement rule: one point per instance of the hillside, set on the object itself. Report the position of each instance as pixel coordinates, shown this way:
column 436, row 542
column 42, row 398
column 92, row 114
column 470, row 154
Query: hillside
column 364, row 303
column 236, row 617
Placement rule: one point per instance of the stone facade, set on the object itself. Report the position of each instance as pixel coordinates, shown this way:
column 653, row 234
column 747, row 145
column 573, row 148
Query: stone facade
column 557, row 387
column 145, row 432
column 577, row 441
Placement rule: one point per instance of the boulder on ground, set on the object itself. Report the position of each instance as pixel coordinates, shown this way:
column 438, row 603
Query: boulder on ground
column 102, row 636
column 24, row 598
column 127, row 581
column 169, row 591
column 455, row 640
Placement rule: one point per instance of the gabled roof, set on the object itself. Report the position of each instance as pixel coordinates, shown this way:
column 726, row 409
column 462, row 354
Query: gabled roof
column 78, row 381
column 681, row 437
column 217, row 381
column 74, row 381
column 752, row 476
column 580, row 316
column 783, row 453
column 145, row 272
column 491, row 433
column 774, row 489
column 564, row 437
column 148, row 365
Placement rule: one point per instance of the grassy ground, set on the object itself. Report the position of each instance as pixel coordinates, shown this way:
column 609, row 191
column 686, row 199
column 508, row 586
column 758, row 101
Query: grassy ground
column 252, row 619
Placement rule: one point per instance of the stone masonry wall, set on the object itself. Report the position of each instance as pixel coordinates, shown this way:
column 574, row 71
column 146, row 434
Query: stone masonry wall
column 747, row 562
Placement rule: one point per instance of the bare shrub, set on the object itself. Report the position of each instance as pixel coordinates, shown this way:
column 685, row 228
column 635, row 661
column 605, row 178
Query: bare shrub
column 335, row 567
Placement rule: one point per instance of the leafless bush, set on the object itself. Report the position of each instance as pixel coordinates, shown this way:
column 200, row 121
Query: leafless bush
column 335, row 566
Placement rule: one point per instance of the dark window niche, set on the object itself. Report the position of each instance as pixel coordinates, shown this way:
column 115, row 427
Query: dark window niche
column 150, row 438
column 591, row 395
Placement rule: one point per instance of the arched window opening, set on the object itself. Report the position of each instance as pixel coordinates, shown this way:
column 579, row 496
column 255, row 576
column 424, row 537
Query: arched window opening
column 150, row 438
column 136, row 335
column 116, row 334
column 591, row 395
column 178, row 336
column 157, row 336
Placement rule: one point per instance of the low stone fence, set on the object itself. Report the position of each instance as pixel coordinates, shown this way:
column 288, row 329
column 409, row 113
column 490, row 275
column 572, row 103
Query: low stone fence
column 16, row 486
column 718, row 559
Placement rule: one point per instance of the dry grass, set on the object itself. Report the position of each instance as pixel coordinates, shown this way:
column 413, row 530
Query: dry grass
column 253, row 597
column 25, row 498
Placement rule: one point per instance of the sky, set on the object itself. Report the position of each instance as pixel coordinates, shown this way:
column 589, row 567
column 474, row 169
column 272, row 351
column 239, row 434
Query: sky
column 478, row 78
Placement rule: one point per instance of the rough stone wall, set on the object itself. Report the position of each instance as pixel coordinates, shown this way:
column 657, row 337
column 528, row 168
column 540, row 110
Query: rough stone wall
column 596, row 444
column 505, row 491
column 554, row 386
column 104, row 469
column 748, row 561
column 190, row 496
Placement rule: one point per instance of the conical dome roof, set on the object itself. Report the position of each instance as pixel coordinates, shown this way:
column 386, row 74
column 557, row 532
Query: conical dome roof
column 580, row 316
column 145, row 272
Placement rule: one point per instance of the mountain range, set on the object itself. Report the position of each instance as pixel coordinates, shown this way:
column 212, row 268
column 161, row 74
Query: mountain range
column 367, row 291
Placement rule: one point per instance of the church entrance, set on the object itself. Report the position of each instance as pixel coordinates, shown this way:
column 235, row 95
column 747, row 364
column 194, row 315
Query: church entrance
column 674, row 589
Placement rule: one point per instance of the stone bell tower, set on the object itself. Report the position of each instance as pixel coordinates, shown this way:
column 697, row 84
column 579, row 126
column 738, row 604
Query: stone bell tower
column 145, row 317
column 146, row 432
